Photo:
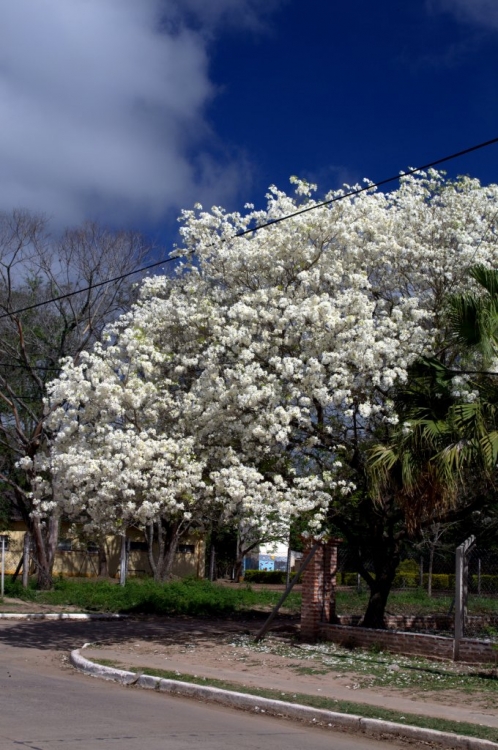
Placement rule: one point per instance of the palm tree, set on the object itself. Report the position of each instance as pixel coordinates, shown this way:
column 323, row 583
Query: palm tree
column 448, row 432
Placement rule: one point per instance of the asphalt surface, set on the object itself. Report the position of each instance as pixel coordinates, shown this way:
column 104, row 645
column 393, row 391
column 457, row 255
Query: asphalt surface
column 45, row 705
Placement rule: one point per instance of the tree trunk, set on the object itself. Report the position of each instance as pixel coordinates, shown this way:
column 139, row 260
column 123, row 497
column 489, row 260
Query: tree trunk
column 103, row 566
column 237, row 569
column 385, row 561
column 429, row 577
column 162, row 556
column 45, row 536
column 376, row 534
column 379, row 593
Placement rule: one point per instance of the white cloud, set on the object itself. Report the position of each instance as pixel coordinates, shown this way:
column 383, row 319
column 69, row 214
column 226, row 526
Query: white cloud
column 103, row 105
column 482, row 12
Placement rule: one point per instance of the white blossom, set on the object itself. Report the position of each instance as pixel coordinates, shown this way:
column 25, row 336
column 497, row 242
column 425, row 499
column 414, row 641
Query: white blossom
column 217, row 390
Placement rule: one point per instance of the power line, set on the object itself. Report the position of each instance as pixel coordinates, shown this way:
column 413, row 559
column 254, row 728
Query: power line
column 352, row 193
column 23, row 397
column 12, row 366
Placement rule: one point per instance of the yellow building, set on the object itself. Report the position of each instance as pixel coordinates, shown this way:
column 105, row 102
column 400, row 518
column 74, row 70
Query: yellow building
column 77, row 559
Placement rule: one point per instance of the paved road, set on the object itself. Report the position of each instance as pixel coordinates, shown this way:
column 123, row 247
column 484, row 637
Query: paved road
column 45, row 705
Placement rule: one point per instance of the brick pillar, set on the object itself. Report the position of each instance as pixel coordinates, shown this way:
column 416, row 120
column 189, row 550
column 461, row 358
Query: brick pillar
column 330, row 582
column 319, row 590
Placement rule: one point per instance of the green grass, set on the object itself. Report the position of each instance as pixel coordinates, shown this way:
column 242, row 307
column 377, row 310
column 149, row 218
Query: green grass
column 412, row 602
column 187, row 597
column 197, row 598
column 401, row 602
column 341, row 706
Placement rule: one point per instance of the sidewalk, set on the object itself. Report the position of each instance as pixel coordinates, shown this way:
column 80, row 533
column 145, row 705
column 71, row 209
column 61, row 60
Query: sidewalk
column 216, row 652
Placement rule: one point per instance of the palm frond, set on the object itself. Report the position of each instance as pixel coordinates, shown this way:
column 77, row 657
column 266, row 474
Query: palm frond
column 485, row 277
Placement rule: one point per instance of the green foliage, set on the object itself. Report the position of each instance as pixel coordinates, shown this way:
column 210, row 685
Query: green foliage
column 347, row 579
column 193, row 597
column 265, row 576
column 489, row 584
column 4, row 514
column 407, row 579
column 16, row 591
column 474, row 318
column 409, row 566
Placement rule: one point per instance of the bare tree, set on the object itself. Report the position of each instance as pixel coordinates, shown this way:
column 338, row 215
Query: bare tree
column 36, row 269
column 431, row 541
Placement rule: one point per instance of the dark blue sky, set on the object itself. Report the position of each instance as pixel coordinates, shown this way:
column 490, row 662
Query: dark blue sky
column 340, row 91
column 127, row 111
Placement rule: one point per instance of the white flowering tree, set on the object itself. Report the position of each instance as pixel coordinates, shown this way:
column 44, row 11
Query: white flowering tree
column 120, row 460
column 276, row 356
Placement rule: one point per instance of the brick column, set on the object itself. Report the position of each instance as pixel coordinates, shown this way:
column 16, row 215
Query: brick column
column 319, row 590
column 330, row 582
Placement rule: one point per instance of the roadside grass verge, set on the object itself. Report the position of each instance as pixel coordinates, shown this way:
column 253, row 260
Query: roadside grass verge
column 346, row 707
column 196, row 598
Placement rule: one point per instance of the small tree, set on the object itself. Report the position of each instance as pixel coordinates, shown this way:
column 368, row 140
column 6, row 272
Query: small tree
column 35, row 269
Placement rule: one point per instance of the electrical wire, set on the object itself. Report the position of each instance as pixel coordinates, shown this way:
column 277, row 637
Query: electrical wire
column 350, row 194
column 30, row 367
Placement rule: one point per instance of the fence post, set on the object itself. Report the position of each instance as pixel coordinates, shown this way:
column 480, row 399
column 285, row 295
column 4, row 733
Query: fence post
column 288, row 569
column 26, row 550
column 461, row 592
column 212, row 563
column 123, row 567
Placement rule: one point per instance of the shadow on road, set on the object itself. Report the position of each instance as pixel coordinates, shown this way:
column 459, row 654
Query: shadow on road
column 66, row 635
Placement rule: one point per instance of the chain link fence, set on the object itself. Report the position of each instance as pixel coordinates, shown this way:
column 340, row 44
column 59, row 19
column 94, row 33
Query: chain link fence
column 422, row 597
column 481, row 615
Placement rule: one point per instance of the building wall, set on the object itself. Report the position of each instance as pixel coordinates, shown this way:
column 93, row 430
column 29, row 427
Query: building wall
column 80, row 562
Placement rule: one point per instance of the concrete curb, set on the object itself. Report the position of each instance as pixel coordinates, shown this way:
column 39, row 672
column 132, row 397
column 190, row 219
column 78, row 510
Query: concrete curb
column 332, row 719
column 58, row 616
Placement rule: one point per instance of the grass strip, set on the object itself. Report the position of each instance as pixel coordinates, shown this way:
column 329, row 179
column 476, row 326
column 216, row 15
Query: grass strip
column 365, row 710
column 190, row 597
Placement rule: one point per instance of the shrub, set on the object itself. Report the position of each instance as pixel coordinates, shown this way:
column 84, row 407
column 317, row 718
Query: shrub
column 489, row 584
column 347, row 579
column 440, row 581
column 406, row 580
column 193, row 597
column 409, row 566
column 265, row 576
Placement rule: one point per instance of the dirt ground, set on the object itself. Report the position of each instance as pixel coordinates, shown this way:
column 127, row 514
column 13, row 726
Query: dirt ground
column 225, row 650
column 22, row 607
